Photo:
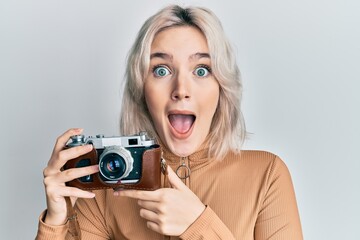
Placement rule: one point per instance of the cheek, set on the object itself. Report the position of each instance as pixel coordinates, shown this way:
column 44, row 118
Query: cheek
column 210, row 100
column 154, row 102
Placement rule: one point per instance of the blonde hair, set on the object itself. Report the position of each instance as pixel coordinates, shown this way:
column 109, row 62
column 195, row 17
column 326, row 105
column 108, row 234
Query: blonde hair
column 227, row 131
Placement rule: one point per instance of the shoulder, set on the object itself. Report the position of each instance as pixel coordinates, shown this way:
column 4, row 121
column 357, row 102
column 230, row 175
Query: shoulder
column 257, row 161
column 253, row 157
column 264, row 170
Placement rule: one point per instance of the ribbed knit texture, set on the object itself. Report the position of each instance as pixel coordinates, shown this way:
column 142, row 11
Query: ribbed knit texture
column 248, row 196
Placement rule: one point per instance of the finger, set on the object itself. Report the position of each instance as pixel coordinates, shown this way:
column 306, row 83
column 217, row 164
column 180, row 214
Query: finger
column 151, row 205
column 68, row 175
column 65, row 191
column 175, row 181
column 74, row 152
column 67, row 154
column 141, row 195
column 62, row 140
column 74, row 173
column 154, row 226
column 149, row 215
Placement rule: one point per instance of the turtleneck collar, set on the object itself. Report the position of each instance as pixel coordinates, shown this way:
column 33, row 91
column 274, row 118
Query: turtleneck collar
column 196, row 160
column 198, row 156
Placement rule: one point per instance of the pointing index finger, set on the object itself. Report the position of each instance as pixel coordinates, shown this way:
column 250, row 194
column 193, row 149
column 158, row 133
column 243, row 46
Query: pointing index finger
column 139, row 194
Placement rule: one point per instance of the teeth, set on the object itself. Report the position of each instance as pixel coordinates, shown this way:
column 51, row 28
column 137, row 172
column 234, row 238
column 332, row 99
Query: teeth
column 181, row 122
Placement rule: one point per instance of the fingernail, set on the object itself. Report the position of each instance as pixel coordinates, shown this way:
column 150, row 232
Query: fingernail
column 89, row 146
column 116, row 194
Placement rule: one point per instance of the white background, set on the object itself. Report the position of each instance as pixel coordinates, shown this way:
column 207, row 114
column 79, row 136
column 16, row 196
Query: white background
column 62, row 63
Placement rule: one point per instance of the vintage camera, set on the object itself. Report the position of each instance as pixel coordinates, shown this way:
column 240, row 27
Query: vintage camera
column 122, row 160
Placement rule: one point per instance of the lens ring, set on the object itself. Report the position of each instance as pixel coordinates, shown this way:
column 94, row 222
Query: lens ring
column 115, row 163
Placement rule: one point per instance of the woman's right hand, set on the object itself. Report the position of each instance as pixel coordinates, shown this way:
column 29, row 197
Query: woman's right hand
column 55, row 179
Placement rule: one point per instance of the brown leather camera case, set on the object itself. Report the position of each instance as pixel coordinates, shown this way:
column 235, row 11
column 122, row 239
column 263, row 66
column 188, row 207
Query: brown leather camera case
column 150, row 175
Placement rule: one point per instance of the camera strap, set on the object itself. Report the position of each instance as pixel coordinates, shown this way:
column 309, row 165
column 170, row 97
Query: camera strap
column 74, row 228
column 165, row 172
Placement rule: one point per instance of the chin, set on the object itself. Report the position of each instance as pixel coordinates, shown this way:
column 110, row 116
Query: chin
column 182, row 153
column 182, row 148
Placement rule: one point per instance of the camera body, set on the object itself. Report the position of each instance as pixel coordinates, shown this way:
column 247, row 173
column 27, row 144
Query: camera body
column 120, row 159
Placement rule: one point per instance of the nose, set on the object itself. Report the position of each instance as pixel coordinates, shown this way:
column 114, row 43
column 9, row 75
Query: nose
column 181, row 88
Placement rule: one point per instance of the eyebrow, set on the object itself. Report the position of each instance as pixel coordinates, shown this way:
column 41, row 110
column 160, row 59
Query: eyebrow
column 169, row 57
column 199, row 55
column 161, row 55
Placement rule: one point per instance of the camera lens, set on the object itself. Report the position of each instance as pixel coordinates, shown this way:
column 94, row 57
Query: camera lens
column 115, row 163
column 113, row 166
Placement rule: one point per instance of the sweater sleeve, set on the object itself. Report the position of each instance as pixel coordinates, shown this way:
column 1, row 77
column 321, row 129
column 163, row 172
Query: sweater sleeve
column 48, row 232
column 90, row 218
column 278, row 218
column 208, row 226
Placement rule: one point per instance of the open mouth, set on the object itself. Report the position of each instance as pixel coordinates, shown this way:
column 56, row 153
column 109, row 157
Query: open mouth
column 182, row 123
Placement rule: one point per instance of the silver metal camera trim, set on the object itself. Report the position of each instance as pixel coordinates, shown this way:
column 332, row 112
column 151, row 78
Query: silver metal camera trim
column 100, row 141
column 122, row 152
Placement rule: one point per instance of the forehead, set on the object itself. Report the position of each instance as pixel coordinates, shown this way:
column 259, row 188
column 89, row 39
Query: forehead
column 181, row 40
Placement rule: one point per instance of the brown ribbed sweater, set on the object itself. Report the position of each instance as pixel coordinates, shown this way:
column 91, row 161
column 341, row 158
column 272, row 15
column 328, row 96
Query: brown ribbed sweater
column 248, row 196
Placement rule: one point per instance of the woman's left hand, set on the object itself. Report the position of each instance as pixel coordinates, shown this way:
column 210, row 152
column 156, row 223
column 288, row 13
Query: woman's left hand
column 168, row 211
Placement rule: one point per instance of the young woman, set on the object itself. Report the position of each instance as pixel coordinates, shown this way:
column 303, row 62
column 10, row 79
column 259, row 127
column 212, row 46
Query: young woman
column 183, row 87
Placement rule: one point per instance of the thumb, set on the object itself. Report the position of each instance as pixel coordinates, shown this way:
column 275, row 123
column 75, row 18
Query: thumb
column 174, row 180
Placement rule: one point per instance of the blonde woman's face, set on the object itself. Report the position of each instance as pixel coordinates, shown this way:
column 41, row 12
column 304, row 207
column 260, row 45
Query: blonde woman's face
column 180, row 90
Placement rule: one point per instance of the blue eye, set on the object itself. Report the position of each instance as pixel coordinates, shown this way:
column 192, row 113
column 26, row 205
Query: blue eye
column 202, row 71
column 161, row 71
